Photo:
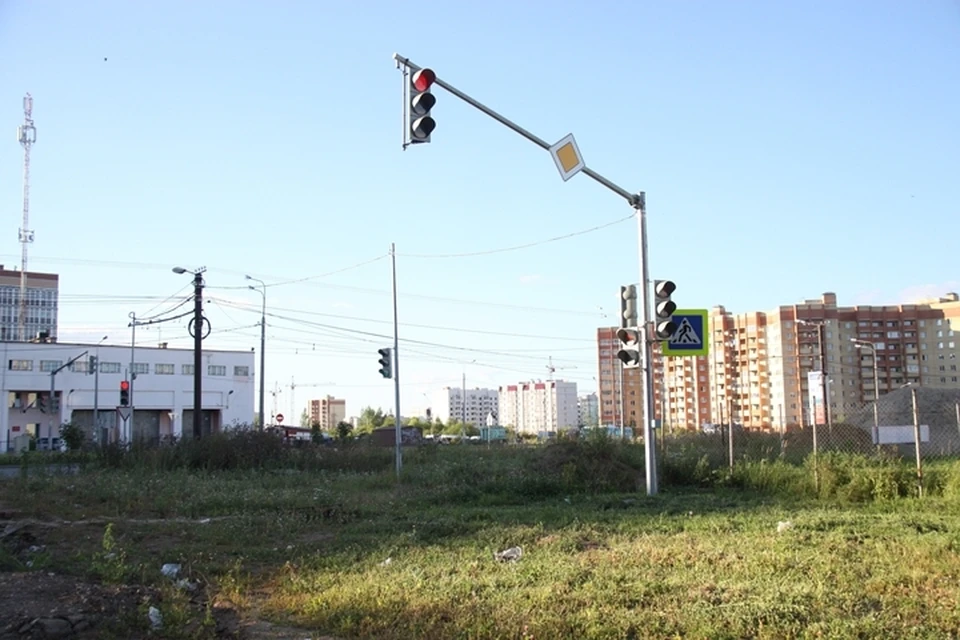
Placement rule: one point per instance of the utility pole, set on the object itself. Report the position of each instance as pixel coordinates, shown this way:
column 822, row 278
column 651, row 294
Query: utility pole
column 263, row 342
column 53, row 404
column 198, row 353
column 567, row 157
column 463, row 409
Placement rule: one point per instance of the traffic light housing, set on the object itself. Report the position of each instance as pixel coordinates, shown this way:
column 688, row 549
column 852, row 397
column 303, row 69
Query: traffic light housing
column 92, row 365
column 420, row 101
column 124, row 393
column 628, row 306
column 664, row 308
column 54, row 404
column 41, row 403
column 630, row 348
column 386, row 363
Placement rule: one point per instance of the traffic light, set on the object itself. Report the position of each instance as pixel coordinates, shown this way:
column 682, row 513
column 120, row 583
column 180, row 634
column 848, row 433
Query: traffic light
column 630, row 346
column 421, row 101
column 628, row 306
column 92, row 365
column 124, row 393
column 386, row 363
column 54, row 404
column 41, row 403
column 664, row 307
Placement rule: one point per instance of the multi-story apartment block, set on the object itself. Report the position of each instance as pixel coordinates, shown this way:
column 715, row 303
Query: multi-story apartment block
column 587, row 410
column 757, row 372
column 449, row 405
column 533, row 407
column 328, row 412
column 42, row 305
column 161, row 395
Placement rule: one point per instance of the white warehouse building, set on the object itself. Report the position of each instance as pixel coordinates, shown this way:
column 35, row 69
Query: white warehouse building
column 448, row 405
column 534, row 407
column 161, row 394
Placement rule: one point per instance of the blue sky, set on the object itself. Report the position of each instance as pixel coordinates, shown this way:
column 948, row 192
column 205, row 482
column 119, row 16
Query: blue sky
column 786, row 149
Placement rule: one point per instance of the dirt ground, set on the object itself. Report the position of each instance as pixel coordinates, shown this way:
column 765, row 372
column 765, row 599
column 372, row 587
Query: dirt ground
column 38, row 603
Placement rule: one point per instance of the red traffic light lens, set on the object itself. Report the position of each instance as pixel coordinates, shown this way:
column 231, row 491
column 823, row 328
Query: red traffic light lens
column 124, row 385
column 423, row 79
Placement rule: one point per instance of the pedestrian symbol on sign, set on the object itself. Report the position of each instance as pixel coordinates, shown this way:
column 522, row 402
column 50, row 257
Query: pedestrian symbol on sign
column 685, row 334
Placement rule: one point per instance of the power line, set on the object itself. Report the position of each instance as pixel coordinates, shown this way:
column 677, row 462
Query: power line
column 253, row 309
column 529, row 245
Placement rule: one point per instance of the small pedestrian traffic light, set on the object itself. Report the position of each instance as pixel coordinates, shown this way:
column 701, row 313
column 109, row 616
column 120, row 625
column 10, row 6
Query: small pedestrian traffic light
column 124, row 393
column 630, row 348
column 628, row 306
column 420, row 101
column 386, row 363
column 664, row 307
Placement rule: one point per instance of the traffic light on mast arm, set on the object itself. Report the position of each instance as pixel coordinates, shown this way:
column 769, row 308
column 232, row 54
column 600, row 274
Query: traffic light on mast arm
column 124, row 393
column 664, row 308
column 420, row 101
column 630, row 346
column 386, row 363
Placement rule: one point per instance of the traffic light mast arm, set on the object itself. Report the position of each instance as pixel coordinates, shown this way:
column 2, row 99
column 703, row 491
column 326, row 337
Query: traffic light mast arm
column 632, row 198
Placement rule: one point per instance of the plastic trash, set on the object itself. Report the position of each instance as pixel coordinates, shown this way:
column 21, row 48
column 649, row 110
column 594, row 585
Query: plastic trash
column 170, row 570
column 509, row 555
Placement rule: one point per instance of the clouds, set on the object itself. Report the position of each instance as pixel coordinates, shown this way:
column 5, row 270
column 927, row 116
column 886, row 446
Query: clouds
column 919, row 292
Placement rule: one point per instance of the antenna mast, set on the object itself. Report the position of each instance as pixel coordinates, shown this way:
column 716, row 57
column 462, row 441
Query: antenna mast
column 27, row 135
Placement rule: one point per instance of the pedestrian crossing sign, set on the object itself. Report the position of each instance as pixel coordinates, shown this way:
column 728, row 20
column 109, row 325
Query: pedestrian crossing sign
column 691, row 337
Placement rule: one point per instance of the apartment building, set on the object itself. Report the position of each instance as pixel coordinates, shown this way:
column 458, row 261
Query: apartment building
column 161, row 396
column 42, row 295
column 534, row 407
column 587, row 410
column 681, row 397
column 758, row 371
column 450, row 402
column 328, row 412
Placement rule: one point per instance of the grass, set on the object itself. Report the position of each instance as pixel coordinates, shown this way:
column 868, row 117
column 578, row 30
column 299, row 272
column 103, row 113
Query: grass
column 325, row 540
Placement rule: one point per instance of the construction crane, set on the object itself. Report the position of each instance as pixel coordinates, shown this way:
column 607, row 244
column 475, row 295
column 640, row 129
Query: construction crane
column 27, row 135
column 293, row 387
column 552, row 368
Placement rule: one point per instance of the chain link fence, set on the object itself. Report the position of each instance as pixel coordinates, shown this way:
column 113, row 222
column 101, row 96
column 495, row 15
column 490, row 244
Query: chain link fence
column 884, row 428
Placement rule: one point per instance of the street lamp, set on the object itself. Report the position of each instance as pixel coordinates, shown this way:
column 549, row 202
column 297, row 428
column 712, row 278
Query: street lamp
column 197, row 347
column 872, row 347
column 263, row 339
column 96, row 393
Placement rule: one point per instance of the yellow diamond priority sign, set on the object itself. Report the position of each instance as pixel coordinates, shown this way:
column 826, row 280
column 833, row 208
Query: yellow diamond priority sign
column 566, row 154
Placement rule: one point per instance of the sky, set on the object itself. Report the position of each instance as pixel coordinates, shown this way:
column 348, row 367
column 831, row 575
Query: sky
column 785, row 150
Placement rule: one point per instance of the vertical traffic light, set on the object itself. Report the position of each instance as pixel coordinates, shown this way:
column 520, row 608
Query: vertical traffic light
column 420, row 101
column 386, row 363
column 630, row 346
column 664, row 308
column 41, row 403
column 124, row 393
column 628, row 306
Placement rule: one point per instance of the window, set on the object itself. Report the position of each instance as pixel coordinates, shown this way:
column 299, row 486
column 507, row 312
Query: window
column 50, row 365
column 109, row 367
column 241, row 372
column 162, row 369
column 20, row 365
column 80, row 366
column 186, row 369
column 141, row 368
column 216, row 370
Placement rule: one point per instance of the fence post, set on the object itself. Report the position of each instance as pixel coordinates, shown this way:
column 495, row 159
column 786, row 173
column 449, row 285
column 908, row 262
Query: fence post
column 916, row 439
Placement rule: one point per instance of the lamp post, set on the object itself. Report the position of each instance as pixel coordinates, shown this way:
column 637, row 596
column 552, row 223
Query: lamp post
column 866, row 344
column 96, row 393
column 819, row 324
column 263, row 340
column 197, row 322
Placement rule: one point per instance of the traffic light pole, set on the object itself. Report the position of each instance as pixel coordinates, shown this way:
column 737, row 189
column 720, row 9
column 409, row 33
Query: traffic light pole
column 635, row 200
column 198, row 354
column 396, row 364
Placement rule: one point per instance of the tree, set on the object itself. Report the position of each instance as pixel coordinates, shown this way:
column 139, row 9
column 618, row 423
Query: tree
column 316, row 434
column 305, row 418
column 344, row 429
column 370, row 419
